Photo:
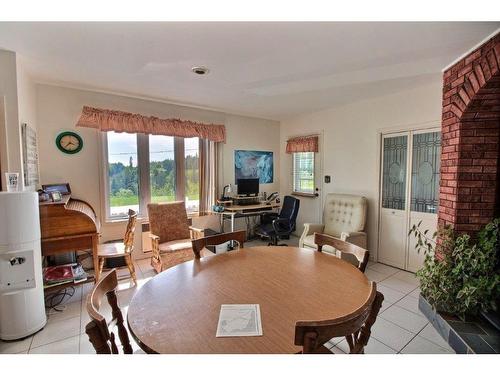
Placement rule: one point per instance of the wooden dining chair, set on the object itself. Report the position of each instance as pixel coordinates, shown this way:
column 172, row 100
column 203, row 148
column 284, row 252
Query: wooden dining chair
column 348, row 250
column 121, row 249
column 201, row 243
column 99, row 331
column 355, row 327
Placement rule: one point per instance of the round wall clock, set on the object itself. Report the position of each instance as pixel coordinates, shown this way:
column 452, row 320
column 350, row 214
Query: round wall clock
column 69, row 142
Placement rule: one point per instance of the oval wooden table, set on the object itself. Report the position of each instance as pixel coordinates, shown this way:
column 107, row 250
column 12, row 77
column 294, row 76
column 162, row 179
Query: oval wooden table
column 177, row 311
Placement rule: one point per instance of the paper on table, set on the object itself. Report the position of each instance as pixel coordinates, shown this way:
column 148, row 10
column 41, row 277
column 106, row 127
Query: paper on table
column 239, row 320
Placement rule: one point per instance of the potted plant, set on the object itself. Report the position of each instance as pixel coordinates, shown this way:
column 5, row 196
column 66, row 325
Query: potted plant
column 460, row 275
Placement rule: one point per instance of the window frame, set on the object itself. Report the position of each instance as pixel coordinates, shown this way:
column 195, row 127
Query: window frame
column 144, row 181
column 304, row 193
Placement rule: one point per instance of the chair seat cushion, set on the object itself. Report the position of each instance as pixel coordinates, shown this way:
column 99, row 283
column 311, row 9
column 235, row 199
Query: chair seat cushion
column 266, row 230
column 110, row 250
column 175, row 245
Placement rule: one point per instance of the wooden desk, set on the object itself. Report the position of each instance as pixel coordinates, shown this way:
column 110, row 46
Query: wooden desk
column 69, row 225
column 177, row 311
column 234, row 211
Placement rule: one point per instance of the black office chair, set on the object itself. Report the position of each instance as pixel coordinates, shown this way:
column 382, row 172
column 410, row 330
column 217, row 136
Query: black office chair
column 276, row 227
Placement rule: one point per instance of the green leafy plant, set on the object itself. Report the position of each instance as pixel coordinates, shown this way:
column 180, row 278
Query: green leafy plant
column 458, row 275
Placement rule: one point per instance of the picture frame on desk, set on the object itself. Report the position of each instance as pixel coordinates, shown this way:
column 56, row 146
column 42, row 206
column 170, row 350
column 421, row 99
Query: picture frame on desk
column 56, row 196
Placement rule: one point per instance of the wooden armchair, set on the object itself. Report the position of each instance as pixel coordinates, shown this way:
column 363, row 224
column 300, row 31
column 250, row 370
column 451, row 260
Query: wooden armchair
column 99, row 332
column 200, row 244
column 170, row 235
column 356, row 327
column 349, row 252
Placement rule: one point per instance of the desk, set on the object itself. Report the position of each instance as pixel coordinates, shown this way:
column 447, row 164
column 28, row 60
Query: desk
column 177, row 310
column 235, row 211
column 67, row 226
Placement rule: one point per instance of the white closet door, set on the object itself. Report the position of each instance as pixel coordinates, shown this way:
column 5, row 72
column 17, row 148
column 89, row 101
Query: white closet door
column 424, row 190
column 393, row 210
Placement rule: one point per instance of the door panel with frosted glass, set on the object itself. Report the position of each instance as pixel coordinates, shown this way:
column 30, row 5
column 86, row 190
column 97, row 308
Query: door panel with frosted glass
column 424, row 193
column 393, row 221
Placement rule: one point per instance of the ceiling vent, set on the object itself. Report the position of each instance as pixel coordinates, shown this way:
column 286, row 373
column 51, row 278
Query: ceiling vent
column 200, row 70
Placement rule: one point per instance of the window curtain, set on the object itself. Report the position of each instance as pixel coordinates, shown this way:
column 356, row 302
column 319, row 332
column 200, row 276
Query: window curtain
column 208, row 175
column 118, row 121
column 302, row 144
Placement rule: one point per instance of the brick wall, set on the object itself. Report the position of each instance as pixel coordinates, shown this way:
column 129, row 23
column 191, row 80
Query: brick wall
column 470, row 139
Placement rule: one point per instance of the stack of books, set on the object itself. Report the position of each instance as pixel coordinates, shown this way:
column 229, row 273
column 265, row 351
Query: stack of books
column 66, row 273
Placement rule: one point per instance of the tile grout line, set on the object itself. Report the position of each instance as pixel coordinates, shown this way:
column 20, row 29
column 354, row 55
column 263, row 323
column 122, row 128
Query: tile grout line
column 53, row 342
column 413, row 338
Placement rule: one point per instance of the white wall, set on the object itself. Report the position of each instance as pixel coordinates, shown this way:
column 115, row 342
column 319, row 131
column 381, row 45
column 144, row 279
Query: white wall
column 17, row 106
column 10, row 139
column 351, row 145
column 26, row 98
column 59, row 109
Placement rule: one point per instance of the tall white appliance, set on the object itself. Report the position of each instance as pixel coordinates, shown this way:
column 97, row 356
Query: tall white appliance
column 22, row 307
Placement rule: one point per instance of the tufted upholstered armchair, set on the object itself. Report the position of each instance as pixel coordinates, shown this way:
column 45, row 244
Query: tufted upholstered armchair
column 344, row 217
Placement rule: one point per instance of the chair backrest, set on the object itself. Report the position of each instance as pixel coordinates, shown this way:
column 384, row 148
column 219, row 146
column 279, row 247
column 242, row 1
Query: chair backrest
column 128, row 239
column 344, row 213
column 344, row 247
column 201, row 243
column 98, row 330
column 168, row 221
column 355, row 327
column 290, row 209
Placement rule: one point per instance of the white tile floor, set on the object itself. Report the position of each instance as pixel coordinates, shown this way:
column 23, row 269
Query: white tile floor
column 400, row 327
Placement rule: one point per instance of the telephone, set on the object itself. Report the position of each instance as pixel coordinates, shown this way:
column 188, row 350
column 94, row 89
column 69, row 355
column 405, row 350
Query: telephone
column 272, row 197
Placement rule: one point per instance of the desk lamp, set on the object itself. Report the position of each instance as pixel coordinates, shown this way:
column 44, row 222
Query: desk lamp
column 224, row 197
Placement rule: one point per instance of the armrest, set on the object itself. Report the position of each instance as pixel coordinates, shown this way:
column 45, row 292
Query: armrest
column 310, row 228
column 268, row 217
column 272, row 214
column 281, row 229
column 154, row 237
column 196, row 232
column 356, row 238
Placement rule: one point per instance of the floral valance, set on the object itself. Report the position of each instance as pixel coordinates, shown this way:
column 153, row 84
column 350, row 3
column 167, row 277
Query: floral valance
column 118, row 121
column 302, row 144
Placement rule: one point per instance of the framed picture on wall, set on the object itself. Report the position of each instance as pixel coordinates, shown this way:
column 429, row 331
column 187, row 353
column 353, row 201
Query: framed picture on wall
column 30, row 156
column 254, row 164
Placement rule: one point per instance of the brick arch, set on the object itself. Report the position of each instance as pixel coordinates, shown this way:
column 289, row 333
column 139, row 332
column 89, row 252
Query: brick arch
column 470, row 139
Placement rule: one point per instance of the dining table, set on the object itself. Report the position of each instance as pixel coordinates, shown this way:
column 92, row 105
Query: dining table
column 177, row 311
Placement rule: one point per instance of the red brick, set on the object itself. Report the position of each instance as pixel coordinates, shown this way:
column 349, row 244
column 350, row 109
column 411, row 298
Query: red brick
column 458, row 81
column 473, row 81
column 479, row 75
column 473, row 56
column 486, row 70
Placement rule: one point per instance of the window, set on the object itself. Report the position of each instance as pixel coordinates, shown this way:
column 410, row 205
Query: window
column 150, row 168
column 303, row 172
column 122, row 173
column 192, row 173
column 162, row 168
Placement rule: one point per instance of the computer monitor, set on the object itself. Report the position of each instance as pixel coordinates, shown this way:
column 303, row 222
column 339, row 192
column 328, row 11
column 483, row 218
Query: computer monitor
column 248, row 186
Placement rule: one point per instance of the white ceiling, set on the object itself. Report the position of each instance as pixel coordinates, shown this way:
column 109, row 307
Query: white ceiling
column 269, row 70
